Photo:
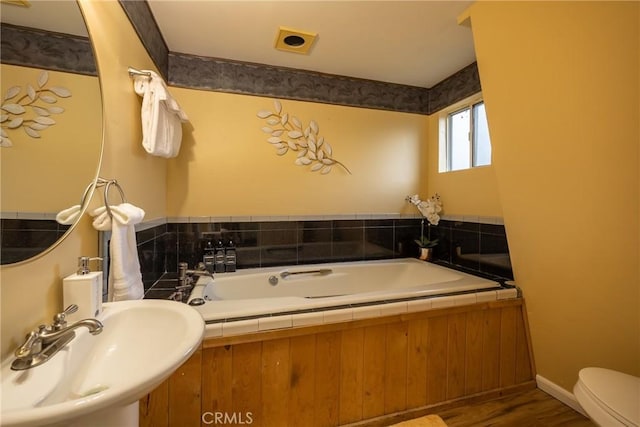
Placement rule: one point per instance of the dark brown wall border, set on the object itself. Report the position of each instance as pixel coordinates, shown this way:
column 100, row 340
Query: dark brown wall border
column 224, row 75
column 44, row 49
column 144, row 23
column 454, row 88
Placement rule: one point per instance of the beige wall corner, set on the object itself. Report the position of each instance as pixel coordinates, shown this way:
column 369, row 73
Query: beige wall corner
column 116, row 44
column 561, row 86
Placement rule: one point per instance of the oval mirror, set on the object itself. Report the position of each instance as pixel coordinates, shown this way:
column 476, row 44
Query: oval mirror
column 51, row 123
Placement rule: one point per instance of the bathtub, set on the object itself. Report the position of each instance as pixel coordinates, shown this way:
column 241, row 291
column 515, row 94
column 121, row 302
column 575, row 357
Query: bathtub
column 259, row 299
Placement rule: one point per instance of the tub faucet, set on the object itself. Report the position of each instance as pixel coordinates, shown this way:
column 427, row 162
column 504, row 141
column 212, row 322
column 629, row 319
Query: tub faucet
column 45, row 341
column 186, row 279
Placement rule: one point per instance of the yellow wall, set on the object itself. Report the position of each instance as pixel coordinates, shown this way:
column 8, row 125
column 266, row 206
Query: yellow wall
column 117, row 47
column 226, row 166
column 32, row 292
column 469, row 192
column 28, row 169
column 561, row 86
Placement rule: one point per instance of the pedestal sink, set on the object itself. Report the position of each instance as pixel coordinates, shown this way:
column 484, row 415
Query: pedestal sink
column 99, row 379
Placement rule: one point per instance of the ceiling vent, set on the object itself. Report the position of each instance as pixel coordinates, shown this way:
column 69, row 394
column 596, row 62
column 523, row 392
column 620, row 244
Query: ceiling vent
column 297, row 41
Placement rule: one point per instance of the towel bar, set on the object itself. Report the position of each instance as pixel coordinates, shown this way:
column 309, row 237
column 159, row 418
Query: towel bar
column 136, row 72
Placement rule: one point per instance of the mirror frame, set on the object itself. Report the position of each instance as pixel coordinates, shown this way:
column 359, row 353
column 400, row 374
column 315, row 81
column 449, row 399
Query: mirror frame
column 92, row 184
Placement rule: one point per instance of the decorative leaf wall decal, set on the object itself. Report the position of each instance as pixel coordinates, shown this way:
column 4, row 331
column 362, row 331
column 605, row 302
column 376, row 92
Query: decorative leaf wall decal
column 287, row 133
column 43, row 78
column 12, row 92
column 40, row 119
column 60, row 91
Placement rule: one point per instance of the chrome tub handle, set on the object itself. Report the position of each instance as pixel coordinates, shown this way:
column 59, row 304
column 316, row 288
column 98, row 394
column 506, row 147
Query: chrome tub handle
column 321, row 272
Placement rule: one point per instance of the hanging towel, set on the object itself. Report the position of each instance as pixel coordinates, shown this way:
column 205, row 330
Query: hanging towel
column 101, row 219
column 125, row 279
column 161, row 116
column 68, row 216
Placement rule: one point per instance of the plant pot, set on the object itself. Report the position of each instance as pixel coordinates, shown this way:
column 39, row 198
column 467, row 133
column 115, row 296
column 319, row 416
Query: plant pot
column 426, row 254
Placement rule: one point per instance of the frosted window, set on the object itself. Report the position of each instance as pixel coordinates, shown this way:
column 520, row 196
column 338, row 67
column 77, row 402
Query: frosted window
column 459, row 150
column 467, row 138
column 481, row 141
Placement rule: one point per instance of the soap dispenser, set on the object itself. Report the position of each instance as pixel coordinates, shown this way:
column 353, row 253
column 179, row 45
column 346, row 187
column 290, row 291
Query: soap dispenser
column 84, row 288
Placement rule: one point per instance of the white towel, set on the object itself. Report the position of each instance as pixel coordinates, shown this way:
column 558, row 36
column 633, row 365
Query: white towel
column 125, row 279
column 101, row 219
column 68, row 216
column 161, row 116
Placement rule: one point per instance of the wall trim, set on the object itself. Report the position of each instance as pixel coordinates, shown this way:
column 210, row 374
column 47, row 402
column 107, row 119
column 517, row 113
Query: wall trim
column 30, row 47
column 145, row 25
column 230, row 76
column 559, row 393
column 454, row 88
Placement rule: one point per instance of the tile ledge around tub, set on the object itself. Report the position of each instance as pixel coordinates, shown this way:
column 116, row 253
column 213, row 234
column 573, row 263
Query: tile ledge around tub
column 493, row 220
column 292, row 319
column 28, row 215
column 275, row 218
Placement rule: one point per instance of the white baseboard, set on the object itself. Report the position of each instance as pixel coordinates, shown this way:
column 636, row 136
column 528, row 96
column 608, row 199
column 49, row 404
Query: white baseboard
column 559, row 393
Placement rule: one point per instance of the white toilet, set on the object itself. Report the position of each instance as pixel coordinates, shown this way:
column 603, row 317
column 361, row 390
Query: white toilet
column 610, row 398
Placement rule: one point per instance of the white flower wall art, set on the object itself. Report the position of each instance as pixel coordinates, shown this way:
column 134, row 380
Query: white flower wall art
column 287, row 133
column 30, row 109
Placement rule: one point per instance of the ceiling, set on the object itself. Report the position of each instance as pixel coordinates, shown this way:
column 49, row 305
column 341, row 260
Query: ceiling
column 417, row 43
column 60, row 16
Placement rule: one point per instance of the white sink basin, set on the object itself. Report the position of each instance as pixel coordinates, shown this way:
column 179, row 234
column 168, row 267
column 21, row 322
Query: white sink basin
column 142, row 343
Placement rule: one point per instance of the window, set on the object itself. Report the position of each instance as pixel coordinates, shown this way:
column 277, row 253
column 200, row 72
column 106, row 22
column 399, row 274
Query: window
column 465, row 141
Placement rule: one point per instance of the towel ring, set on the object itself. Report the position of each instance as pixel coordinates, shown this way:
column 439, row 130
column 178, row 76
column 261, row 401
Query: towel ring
column 100, row 182
column 106, row 195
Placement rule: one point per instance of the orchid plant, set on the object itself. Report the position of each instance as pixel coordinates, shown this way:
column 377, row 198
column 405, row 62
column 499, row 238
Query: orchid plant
column 430, row 209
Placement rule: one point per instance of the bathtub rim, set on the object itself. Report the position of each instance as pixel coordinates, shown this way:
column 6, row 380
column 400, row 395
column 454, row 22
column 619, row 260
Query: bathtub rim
column 476, row 289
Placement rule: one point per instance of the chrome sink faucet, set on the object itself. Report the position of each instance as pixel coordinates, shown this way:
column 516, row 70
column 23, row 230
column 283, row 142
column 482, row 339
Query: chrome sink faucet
column 45, row 341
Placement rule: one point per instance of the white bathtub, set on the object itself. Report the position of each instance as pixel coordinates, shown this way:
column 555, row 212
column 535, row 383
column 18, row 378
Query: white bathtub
column 269, row 298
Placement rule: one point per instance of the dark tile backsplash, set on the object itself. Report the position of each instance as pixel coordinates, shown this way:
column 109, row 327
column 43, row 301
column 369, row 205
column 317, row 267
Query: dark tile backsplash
column 477, row 247
column 473, row 247
column 25, row 238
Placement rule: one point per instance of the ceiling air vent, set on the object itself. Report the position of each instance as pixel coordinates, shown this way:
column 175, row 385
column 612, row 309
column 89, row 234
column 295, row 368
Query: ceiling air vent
column 297, row 41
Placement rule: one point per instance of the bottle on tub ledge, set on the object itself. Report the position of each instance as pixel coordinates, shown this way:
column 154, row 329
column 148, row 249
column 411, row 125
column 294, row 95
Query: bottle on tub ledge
column 209, row 258
column 219, row 257
column 230, row 257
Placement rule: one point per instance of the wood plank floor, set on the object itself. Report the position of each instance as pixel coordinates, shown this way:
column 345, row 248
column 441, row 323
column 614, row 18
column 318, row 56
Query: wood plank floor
column 531, row 408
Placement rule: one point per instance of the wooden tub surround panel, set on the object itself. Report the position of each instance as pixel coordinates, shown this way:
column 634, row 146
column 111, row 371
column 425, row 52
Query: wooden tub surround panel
column 364, row 372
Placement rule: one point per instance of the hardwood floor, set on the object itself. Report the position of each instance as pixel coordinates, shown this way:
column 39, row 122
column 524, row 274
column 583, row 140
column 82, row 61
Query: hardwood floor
column 528, row 409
